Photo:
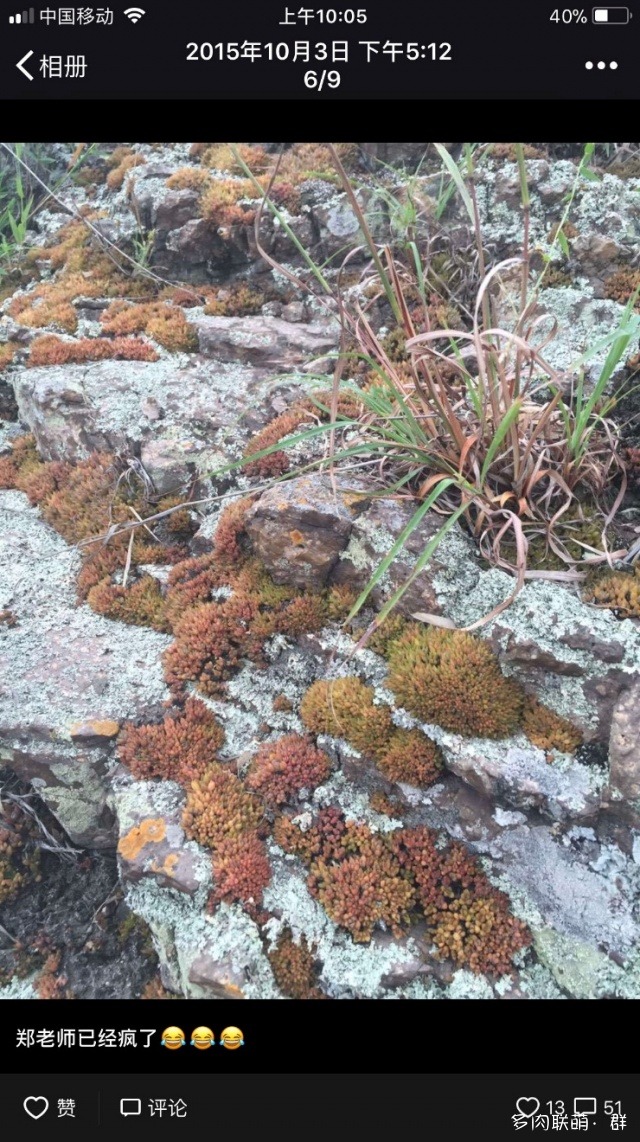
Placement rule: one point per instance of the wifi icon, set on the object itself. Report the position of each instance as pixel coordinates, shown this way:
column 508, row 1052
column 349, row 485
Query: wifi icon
column 134, row 14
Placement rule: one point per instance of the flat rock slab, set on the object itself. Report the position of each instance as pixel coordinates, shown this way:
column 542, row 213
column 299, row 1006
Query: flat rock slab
column 519, row 775
column 65, row 668
column 181, row 419
column 265, row 340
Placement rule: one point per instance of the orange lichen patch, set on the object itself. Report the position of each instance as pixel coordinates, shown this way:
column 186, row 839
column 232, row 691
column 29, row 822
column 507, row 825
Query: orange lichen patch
column 51, row 350
column 548, row 730
column 168, row 866
column 166, row 324
column 95, row 728
column 122, row 160
column 297, row 538
column 148, row 832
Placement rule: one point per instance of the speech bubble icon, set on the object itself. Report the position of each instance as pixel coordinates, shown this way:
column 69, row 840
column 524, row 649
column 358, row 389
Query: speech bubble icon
column 130, row 1106
column 36, row 1106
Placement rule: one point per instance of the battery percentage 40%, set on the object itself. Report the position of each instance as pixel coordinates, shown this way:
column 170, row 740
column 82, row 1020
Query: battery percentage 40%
column 569, row 16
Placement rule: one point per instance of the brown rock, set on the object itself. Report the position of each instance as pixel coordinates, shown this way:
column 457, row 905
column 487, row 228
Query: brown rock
column 299, row 528
column 219, row 977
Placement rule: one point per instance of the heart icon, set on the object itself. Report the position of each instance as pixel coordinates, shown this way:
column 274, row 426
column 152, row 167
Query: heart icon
column 36, row 1107
column 527, row 1106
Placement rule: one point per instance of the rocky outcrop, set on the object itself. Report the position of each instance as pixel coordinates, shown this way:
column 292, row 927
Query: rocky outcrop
column 577, row 658
column 68, row 676
column 180, row 420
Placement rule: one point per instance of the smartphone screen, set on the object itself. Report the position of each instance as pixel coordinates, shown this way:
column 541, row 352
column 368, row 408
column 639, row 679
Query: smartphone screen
column 319, row 579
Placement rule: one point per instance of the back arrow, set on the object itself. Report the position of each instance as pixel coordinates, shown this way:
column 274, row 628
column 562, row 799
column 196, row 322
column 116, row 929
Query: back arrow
column 23, row 69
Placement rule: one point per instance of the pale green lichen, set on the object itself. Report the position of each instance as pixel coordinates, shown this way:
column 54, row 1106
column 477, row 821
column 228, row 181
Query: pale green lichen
column 583, row 971
column 466, row 985
column 183, row 932
column 548, row 615
column 19, row 989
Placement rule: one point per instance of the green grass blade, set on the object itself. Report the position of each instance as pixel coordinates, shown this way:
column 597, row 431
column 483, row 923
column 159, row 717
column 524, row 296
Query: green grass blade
column 505, row 424
column 457, row 179
column 398, row 545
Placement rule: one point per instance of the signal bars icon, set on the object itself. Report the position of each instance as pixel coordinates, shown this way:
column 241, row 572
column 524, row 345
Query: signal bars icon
column 26, row 17
column 134, row 14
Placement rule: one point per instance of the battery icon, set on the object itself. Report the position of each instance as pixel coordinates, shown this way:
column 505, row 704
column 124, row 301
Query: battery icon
column 611, row 15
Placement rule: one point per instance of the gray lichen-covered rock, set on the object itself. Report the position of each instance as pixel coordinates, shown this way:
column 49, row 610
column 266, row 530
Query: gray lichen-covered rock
column 204, row 956
column 374, row 533
column 62, row 665
column 181, row 419
column 624, row 755
column 576, row 658
column 519, row 774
